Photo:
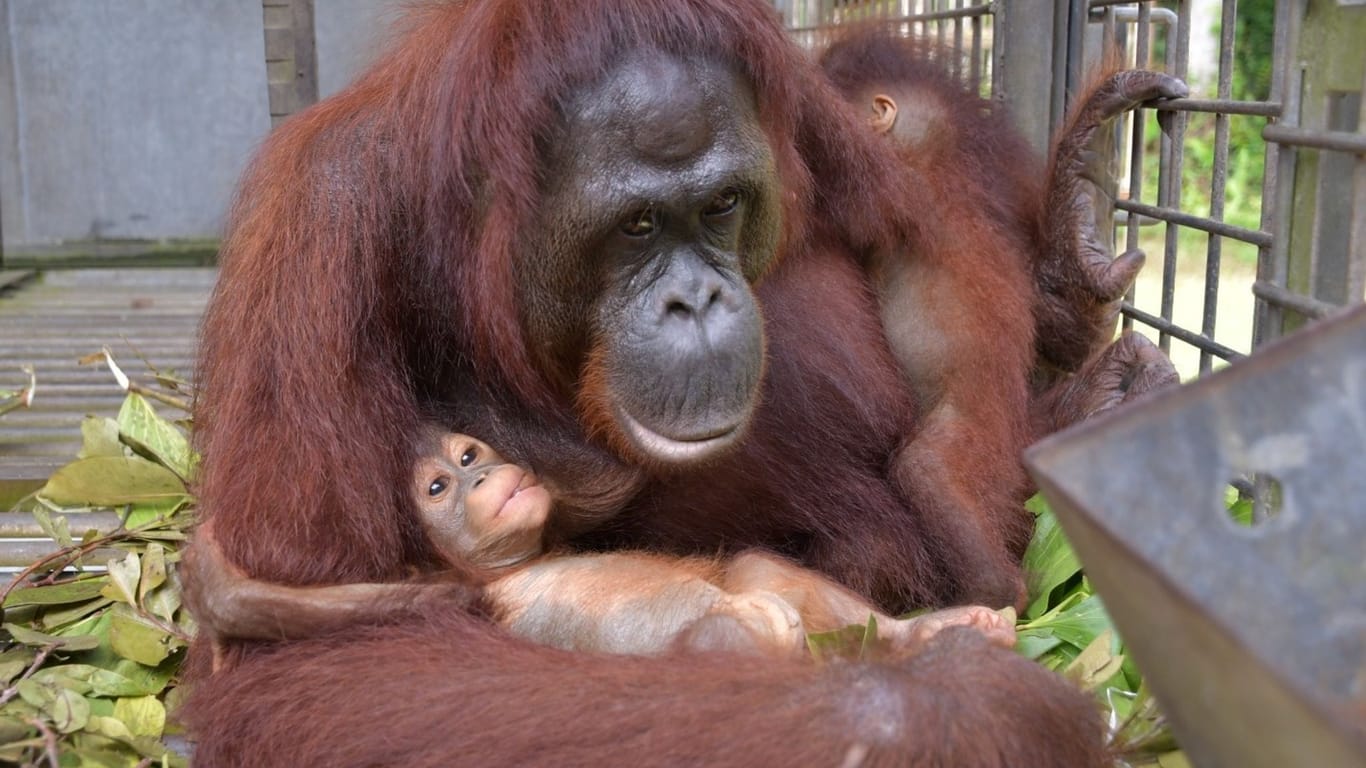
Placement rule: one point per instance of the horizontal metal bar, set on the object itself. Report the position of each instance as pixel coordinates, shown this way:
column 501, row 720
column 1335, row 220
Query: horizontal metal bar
column 1340, row 141
column 1177, row 332
column 1220, row 106
column 953, row 13
column 1108, row 3
column 1283, row 297
column 22, row 525
column 1254, row 236
column 1164, row 16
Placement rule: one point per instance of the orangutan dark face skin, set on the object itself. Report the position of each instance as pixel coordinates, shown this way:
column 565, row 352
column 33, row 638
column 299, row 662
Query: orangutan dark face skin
column 661, row 208
column 476, row 506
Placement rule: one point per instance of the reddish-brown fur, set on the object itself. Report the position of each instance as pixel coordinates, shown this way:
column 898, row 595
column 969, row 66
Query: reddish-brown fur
column 367, row 284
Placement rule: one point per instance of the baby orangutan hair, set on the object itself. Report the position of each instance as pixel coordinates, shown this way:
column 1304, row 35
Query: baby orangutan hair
column 481, row 510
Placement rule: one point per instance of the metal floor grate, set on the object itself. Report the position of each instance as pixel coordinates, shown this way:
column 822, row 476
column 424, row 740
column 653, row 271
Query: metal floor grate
column 50, row 320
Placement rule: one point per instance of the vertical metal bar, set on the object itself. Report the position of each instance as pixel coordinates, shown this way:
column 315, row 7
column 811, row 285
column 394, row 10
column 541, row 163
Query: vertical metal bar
column 1058, row 100
column 1173, row 177
column 1265, row 315
column 958, row 43
column 1022, row 70
column 939, row 32
column 1289, row 78
column 1356, row 255
column 1137, row 125
column 975, row 66
column 1214, row 253
column 1075, row 64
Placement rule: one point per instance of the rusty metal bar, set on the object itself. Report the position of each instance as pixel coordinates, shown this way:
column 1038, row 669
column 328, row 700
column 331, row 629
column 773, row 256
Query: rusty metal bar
column 1172, row 180
column 1168, row 328
column 1098, row 4
column 953, row 13
column 1173, row 216
column 1214, row 252
column 1142, row 47
column 1265, row 313
column 1273, row 264
column 1338, row 141
column 975, row 67
column 958, row 42
column 1284, row 297
column 1223, row 106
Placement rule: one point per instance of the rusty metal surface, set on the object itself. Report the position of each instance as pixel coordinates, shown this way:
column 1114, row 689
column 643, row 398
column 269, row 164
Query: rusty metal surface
column 1253, row 638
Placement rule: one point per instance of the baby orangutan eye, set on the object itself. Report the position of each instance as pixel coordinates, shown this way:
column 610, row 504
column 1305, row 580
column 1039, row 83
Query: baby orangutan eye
column 438, row 486
column 467, row 458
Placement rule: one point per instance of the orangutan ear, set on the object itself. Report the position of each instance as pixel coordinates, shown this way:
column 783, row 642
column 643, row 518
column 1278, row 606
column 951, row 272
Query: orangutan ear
column 884, row 113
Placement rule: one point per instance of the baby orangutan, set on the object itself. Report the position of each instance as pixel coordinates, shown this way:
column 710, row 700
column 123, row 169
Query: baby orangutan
column 480, row 509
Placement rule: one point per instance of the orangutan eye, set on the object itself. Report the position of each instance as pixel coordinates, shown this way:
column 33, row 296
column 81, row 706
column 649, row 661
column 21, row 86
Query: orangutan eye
column 467, row 458
column 438, row 486
column 641, row 223
column 723, row 203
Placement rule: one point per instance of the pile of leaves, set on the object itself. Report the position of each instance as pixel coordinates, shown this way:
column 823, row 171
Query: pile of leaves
column 94, row 634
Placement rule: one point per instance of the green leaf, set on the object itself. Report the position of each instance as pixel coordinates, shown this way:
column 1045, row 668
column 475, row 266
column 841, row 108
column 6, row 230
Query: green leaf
column 123, row 579
column 1097, row 663
column 1173, row 760
column 61, row 620
column 132, row 637
column 1049, row 561
column 153, row 570
column 57, row 594
column 67, row 642
column 1241, row 512
column 1080, row 625
column 1034, row 643
column 100, row 437
column 867, row 647
column 67, row 709
column 149, row 434
column 110, row 726
column 100, row 707
column 111, row 481
column 14, row 729
column 129, row 678
column 70, row 711
column 56, row 527
column 163, row 602
column 146, row 512
column 12, row 662
column 73, row 676
column 144, row 715
column 36, row 694
column 844, row 643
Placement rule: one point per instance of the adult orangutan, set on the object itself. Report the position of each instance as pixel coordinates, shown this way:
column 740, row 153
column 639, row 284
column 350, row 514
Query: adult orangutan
column 628, row 243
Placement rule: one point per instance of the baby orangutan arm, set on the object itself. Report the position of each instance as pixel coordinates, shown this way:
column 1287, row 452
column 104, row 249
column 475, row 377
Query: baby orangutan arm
column 229, row 604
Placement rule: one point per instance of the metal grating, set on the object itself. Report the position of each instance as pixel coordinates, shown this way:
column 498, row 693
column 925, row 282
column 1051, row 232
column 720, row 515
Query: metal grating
column 51, row 320
column 961, row 26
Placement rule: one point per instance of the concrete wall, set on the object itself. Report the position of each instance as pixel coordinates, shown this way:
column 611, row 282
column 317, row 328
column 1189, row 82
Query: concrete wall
column 134, row 118
column 128, row 119
column 349, row 35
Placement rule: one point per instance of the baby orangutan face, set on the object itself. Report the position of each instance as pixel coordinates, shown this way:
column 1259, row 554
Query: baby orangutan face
column 477, row 506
